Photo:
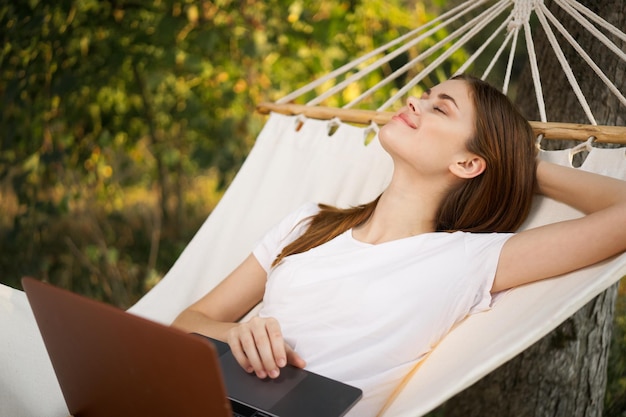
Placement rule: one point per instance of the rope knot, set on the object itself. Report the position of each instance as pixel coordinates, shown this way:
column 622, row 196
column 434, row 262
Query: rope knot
column 522, row 10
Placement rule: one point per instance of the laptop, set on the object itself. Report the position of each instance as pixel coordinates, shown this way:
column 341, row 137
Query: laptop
column 112, row 363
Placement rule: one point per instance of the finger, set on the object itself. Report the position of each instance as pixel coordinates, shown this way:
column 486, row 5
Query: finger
column 277, row 342
column 264, row 348
column 294, row 359
column 253, row 353
column 236, row 349
column 244, row 351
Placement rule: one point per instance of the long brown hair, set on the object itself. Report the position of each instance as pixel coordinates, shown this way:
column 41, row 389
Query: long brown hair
column 498, row 200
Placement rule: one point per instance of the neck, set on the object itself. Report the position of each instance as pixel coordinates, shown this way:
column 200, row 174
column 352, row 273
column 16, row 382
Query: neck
column 401, row 212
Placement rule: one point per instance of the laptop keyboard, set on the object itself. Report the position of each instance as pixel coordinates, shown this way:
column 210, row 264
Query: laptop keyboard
column 256, row 414
column 241, row 410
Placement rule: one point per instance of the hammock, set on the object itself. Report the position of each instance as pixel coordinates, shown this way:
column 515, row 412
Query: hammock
column 299, row 158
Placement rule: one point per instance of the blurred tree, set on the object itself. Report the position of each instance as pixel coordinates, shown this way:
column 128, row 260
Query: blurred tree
column 112, row 108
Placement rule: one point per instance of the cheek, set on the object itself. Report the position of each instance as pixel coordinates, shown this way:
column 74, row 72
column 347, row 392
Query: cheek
column 433, row 144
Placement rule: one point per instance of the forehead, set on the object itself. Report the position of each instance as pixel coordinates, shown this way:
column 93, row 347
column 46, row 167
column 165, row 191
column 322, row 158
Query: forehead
column 458, row 89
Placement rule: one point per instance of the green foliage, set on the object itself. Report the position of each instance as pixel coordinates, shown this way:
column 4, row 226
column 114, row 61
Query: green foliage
column 113, row 109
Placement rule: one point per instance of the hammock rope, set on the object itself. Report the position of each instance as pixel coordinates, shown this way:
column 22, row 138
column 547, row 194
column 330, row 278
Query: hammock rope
column 456, row 12
column 509, row 67
column 517, row 21
column 583, row 54
column 575, row 9
column 567, row 69
column 477, row 24
column 405, row 68
column 534, row 70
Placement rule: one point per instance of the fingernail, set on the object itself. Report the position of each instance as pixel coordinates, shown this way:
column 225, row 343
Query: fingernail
column 274, row 373
column 282, row 362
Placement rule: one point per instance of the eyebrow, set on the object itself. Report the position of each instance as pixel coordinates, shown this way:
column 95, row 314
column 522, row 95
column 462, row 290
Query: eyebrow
column 443, row 96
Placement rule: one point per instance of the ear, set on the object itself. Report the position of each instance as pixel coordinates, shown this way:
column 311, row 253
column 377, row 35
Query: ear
column 470, row 167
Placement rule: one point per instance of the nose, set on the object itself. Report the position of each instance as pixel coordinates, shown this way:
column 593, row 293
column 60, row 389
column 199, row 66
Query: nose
column 413, row 104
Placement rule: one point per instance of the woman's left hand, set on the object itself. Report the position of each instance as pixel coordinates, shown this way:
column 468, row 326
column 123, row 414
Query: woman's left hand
column 259, row 347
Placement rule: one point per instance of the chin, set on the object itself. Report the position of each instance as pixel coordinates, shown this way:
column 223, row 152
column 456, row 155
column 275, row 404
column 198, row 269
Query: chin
column 386, row 135
column 391, row 139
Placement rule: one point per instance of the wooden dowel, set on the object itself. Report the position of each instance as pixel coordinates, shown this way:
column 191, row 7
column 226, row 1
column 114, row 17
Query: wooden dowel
column 563, row 131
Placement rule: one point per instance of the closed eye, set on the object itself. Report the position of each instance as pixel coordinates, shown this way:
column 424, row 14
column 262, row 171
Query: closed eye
column 439, row 109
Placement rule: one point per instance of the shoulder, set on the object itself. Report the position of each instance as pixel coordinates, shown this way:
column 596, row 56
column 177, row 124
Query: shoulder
column 307, row 209
column 286, row 231
column 299, row 218
column 465, row 251
column 470, row 242
column 478, row 241
column 483, row 251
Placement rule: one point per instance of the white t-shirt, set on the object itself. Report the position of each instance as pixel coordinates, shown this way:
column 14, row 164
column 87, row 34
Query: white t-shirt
column 366, row 314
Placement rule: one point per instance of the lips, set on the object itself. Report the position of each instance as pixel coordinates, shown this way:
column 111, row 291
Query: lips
column 405, row 119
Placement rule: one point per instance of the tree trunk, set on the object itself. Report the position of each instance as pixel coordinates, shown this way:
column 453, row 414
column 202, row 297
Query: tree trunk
column 564, row 374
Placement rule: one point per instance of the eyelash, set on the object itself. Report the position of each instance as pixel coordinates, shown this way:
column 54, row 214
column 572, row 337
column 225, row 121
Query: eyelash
column 436, row 108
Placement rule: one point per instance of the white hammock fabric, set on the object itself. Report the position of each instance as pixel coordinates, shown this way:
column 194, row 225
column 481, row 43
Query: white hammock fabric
column 285, row 169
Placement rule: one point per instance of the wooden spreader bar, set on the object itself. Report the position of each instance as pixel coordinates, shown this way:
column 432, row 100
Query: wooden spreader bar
column 550, row 130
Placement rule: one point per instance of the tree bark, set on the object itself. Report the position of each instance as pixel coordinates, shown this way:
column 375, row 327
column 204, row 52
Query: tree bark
column 561, row 103
column 564, row 374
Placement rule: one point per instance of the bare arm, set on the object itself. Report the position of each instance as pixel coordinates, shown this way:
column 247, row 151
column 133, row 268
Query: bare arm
column 562, row 247
column 219, row 310
column 257, row 345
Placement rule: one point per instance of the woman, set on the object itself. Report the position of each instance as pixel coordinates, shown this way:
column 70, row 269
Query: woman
column 362, row 294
